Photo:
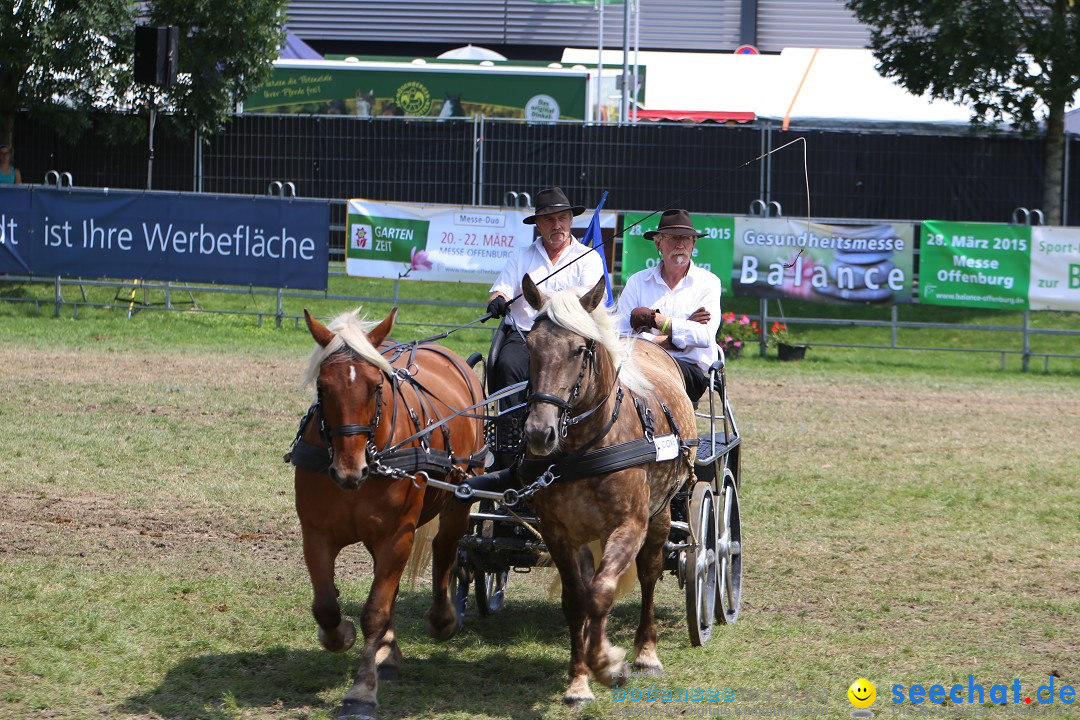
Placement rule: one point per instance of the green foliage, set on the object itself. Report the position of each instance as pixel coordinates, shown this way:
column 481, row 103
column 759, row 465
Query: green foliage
column 1011, row 62
column 226, row 51
column 59, row 60
column 56, row 56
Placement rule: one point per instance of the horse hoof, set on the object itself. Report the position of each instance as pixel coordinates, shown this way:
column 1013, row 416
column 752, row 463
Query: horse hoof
column 341, row 639
column 388, row 673
column 442, row 628
column 576, row 702
column 649, row 670
column 357, row 710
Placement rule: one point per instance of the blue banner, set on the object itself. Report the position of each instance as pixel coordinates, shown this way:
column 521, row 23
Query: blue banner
column 225, row 240
column 14, row 230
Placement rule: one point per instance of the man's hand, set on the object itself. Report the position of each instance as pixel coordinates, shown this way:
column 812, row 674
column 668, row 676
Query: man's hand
column 701, row 315
column 498, row 307
column 642, row 318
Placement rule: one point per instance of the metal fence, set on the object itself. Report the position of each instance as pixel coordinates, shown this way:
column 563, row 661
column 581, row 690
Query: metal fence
column 852, row 175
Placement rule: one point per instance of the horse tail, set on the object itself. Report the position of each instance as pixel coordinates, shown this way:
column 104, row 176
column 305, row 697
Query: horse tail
column 627, row 582
column 420, row 559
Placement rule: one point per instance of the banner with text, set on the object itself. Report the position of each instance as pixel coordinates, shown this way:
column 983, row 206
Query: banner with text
column 975, row 265
column 789, row 258
column 712, row 252
column 226, row 240
column 15, row 224
column 1055, row 269
column 440, row 242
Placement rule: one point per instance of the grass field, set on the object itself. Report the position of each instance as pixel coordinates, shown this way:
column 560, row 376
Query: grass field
column 910, row 518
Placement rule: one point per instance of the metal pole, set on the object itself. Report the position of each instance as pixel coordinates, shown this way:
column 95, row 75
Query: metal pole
column 624, row 106
column 637, row 48
column 599, row 60
column 150, row 160
column 1026, row 357
column 475, row 151
column 57, row 298
column 480, row 163
column 278, row 311
column 763, row 342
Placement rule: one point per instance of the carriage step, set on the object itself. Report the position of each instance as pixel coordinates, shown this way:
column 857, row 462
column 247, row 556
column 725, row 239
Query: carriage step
column 710, row 451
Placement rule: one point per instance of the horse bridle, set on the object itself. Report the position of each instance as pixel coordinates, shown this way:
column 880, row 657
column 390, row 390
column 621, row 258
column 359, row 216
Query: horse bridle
column 588, row 357
column 328, row 433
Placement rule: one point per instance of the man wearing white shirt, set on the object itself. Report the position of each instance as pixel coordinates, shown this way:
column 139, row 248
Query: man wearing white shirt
column 675, row 304
column 556, row 261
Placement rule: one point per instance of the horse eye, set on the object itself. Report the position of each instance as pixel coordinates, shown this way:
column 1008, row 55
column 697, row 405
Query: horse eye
column 580, row 349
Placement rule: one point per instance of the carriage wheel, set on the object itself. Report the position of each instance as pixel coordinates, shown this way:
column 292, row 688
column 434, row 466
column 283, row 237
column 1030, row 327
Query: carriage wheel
column 490, row 591
column 701, row 565
column 460, row 580
column 729, row 577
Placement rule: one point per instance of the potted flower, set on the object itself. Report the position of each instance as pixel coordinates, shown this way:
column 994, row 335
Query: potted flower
column 736, row 332
column 785, row 349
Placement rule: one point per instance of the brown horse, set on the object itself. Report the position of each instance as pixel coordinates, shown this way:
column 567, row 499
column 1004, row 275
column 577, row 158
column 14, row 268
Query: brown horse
column 592, row 390
column 377, row 427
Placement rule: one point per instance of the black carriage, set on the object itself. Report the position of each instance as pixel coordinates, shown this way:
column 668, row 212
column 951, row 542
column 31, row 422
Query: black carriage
column 704, row 548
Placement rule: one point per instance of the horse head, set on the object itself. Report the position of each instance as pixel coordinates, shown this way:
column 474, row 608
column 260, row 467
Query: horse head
column 349, row 373
column 566, row 362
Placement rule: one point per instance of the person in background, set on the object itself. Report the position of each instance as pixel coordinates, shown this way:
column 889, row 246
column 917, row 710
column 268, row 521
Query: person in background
column 675, row 304
column 9, row 174
column 555, row 261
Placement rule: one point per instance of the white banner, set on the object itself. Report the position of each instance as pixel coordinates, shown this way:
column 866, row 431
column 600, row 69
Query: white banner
column 1055, row 268
column 451, row 243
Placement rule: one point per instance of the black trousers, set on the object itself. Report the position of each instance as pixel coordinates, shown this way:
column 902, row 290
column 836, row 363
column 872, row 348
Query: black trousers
column 696, row 382
column 512, row 366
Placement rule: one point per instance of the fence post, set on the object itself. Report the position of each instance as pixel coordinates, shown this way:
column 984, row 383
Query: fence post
column 1026, row 357
column 763, row 341
column 278, row 313
column 57, row 298
column 475, row 152
column 895, row 319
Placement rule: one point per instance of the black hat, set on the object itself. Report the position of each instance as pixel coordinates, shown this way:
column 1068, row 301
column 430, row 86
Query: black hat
column 552, row 200
column 674, row 220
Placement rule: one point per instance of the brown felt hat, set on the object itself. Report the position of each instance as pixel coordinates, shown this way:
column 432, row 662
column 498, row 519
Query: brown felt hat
column 672, row 221
column 552, row 200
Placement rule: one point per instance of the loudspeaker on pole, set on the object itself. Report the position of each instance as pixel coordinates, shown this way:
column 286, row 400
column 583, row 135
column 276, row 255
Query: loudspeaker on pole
column 156, row 55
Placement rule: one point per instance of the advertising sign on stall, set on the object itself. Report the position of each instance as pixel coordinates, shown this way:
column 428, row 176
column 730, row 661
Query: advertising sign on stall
column 712, row 252
column 439, row 242
column 1055, row 269
column 373, row 89
column 804, row 260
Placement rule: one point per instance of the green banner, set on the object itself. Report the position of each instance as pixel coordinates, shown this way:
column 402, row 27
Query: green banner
column 975, row 265
column 338, row 88
column 385, row 238
column 712, row 252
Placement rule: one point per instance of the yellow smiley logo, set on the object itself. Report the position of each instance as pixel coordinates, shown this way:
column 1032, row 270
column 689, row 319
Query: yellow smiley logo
column 862, row 693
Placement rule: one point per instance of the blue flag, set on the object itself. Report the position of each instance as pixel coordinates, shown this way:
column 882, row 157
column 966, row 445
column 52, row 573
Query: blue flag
column 594, row 238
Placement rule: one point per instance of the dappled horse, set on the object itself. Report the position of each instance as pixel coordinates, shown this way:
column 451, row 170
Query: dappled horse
column 591, row 390
column 382, row 419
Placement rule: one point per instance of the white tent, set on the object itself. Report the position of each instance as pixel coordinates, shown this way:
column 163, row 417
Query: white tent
column 805, row 86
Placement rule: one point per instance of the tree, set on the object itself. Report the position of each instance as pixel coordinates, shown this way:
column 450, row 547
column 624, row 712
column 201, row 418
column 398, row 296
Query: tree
column 226, row 51
column 1015, row 61
column 60, row 59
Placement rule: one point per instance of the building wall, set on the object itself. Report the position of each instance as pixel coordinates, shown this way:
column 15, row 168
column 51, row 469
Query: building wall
column 369, row 28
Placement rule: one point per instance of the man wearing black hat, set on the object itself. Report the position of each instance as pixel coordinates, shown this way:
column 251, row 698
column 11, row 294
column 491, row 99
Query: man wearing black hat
column 676, row 304
column 555, row 262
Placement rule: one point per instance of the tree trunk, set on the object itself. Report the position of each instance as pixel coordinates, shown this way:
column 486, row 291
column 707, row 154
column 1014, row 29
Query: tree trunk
column 1054, row 172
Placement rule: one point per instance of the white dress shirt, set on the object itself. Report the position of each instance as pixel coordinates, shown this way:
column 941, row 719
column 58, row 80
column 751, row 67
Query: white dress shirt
column 700, row 288
column 534, row 260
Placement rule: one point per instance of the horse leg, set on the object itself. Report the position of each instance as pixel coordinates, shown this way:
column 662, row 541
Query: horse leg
column 569, row 562
column 440, row 618
column 390, row 558
column 650, row 565
column 335, row 633
column 388, row 657
column 606, row 661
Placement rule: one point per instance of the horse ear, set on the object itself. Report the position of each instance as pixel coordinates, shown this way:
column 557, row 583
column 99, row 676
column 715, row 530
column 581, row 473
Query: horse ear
column 532, row 294
column 591, row 299
column 322, row 335
column 380, row 331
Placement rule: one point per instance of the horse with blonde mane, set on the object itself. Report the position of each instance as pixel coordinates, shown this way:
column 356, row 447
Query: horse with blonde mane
column 386, row 418
column 593, row 391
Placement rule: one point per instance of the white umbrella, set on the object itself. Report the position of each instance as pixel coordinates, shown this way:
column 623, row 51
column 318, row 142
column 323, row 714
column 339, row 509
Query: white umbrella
column 471, row 52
